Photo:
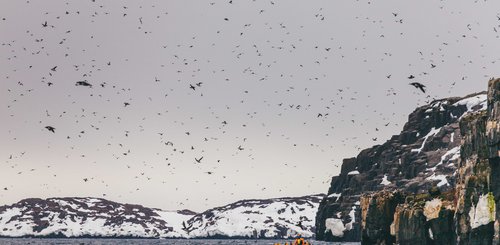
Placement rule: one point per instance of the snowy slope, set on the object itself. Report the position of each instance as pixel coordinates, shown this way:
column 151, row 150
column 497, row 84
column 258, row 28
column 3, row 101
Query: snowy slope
column 76, row 217
column 270, row 218
column 95, row 217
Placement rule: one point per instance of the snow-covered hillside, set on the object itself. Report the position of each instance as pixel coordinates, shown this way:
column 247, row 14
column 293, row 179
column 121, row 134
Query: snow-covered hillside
column 77, row 217
column 271, row 218
column 96, row 217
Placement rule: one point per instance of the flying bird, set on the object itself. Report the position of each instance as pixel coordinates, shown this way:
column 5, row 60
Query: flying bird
column 419, row 86
column 51, row 129
column 198, row 160
column 83, row 83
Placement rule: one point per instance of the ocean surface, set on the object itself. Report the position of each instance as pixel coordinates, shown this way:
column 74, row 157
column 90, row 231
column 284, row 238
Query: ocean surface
column 78, row 241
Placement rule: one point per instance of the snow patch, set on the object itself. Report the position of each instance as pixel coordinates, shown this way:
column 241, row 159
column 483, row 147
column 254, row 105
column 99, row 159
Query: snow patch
column 451, row 155
column 484, row 212
column 442, row 179
column 352, row 214
column 431, row 133
column 385, row 181
column 335, row 226
column 336, row 195
column 478, row 101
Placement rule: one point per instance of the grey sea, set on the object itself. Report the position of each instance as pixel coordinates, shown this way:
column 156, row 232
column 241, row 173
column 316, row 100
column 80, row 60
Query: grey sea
column 33, row 241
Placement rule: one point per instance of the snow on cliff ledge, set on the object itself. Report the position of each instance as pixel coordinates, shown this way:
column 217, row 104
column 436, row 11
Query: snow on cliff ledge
column 474, row 103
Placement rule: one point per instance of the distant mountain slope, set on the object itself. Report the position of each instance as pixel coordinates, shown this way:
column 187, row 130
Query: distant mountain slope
column 76, row 217
column 269, row 218
column 96, row 217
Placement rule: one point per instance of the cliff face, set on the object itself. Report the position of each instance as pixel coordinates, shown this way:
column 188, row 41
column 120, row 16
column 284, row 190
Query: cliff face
column 433, row 183
column 478, row 191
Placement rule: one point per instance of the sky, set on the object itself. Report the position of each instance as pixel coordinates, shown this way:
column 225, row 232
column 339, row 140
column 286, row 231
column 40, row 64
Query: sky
column 270, row 95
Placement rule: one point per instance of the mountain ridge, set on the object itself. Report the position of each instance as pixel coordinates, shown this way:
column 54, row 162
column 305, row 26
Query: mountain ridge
column 99, row 217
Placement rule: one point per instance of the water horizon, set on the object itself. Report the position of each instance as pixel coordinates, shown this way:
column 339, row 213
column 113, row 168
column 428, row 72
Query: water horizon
column 151, row 241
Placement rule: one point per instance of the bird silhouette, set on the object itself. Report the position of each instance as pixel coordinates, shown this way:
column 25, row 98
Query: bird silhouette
column 51, row 129
column 419, row 86
column 83, row 83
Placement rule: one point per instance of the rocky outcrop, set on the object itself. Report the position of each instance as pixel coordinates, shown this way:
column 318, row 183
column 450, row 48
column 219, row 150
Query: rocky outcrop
column 433, row 183
column 378, row 214
column 478, row 191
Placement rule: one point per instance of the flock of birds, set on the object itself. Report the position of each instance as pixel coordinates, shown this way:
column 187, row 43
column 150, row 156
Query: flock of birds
column 185, row 74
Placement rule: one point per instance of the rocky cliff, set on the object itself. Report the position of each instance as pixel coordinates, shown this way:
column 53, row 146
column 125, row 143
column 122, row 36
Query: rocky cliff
column 96, row 217
column 433, row 183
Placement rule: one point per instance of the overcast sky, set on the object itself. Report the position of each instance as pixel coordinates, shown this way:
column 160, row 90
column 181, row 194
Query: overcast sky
column 283, row 91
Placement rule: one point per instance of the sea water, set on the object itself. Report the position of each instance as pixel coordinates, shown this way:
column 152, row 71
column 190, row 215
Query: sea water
column 78, row 241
